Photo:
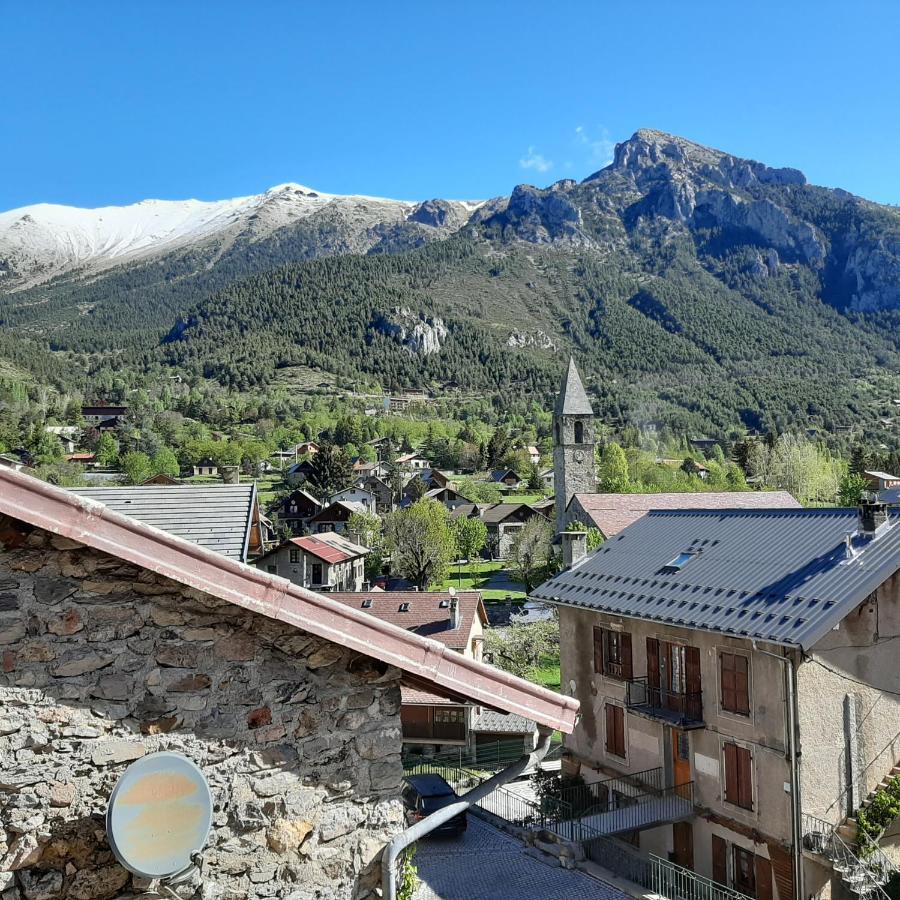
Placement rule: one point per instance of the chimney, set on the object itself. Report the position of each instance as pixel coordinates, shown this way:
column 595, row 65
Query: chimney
column 870, row 515
column 454, row 609
column 230, row 474
column 356, row 538
column 574, row 547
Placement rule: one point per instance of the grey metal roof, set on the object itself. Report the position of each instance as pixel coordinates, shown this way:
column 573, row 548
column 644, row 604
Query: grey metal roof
column 215, row 516
column 891, row 497
column 780, row 575
column 572, row 399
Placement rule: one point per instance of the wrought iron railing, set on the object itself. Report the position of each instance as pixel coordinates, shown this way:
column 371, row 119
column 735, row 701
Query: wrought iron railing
column 677, row 883
column 683, row 707
column 863, row 876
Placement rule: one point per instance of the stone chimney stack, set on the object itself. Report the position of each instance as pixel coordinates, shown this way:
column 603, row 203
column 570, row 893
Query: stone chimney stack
column 574, row 547
column 871, row 515
column 230, row 474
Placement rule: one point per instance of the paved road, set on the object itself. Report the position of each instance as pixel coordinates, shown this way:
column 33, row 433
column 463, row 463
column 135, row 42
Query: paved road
column 486, row 864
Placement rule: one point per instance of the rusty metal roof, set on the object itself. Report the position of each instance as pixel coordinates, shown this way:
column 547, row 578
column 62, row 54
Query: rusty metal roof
column 779, row 575
column 426, row 664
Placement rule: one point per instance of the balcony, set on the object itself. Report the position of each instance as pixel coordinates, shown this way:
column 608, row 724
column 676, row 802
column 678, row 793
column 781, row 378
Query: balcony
column 681, row 708
column 430, row 724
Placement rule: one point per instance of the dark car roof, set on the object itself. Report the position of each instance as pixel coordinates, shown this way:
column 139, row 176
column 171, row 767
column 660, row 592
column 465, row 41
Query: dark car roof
column 429, row 785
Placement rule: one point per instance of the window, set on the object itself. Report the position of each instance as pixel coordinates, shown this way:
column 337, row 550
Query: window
column 367, row 603
column 579, row 432
column 615, row 730
column 612, row 653
column 317, row 573
column 744, row 871
column 404, row 607
column 272, row 570
column 680, row 561
column 449, row 715
column 294, row 556
column 738, row 776
column 735, row 683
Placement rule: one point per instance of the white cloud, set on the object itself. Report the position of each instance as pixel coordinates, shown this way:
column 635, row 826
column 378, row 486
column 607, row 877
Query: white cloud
column 597, row 145
column 536, row 161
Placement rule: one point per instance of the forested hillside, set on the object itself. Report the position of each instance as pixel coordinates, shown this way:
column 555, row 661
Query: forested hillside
column 697, row 290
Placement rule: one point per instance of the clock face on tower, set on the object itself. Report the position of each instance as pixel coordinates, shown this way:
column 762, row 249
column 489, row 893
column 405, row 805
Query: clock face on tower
column 579, row 455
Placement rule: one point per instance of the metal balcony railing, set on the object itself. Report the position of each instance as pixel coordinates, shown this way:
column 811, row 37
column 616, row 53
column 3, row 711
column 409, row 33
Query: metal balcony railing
column 681, row 708
column 865, row 875
column 678, row 883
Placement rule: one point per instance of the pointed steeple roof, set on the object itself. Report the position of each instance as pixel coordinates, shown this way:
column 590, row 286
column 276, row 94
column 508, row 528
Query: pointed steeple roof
column 572, row 399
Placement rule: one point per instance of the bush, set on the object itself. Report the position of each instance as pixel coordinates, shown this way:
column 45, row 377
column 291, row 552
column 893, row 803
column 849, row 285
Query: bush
column 884, row 808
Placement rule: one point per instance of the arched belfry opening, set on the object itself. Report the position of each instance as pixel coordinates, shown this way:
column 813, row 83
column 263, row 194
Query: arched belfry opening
column 579, row 432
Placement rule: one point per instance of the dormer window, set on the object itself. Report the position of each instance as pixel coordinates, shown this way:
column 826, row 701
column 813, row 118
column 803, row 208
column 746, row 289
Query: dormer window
column 367, row 603
column 404, row 607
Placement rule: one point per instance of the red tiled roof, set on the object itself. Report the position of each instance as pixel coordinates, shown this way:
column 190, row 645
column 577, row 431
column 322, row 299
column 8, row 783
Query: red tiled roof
column 425, row 615
column 81, row 457
column 610, row 513
column 417, row 697
column 425, row 664
column 321, row 549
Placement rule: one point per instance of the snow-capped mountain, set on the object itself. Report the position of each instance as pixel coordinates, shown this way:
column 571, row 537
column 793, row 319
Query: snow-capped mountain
column 44, row 241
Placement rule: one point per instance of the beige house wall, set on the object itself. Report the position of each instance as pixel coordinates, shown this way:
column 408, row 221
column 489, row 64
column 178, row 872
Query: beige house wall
column 849, row 701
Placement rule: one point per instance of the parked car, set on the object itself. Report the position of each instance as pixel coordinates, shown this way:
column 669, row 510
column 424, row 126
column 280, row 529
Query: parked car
column 425, row 794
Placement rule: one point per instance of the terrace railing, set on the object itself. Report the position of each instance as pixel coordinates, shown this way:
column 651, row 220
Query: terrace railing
column 682, row 708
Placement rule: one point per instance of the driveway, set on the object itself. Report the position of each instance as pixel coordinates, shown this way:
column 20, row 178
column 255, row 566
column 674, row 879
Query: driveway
column 486, row 864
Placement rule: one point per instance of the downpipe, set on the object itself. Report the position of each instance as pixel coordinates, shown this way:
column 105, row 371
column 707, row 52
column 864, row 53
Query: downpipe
column 470, row 798
column 790, row 700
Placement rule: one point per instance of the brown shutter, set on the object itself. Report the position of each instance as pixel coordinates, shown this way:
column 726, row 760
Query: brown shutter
column 620, row 719
column 692, row 667
column 626, row 657
column 763, row 879
column 745, row 778
column 732, row 794
column 719, row 860
column 653, row 662
column 610, row 728
column 729, row 699
column 598, row 649
column 783, row 870
column 741, row 685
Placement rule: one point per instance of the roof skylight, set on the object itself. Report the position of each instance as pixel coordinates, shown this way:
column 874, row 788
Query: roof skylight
column 680, row 561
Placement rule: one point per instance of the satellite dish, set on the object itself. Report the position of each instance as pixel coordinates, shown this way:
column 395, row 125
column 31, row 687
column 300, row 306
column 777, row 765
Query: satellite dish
column 159, row 815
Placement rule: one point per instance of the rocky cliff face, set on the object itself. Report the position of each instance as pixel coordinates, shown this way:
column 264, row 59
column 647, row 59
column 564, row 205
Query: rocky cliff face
column 659, row 183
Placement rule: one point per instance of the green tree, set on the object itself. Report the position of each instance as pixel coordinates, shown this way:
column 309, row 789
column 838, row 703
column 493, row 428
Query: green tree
column 471, row 536
column 107, row 450
column 371, row 531
column 535, row 482
column 331, row 470
column 613, row 470
column 520, row 649
column 165, row 462
column 531, row 554
column 852, row 487
column 421, row 542
column 137, row 467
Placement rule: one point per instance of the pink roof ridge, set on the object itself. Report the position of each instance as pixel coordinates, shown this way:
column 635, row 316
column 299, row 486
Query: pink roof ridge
column 427, row 663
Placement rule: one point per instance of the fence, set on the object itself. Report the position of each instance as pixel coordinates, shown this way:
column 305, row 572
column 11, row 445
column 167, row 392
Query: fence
column 488, row 757
column 620, row 859
column 678, row 883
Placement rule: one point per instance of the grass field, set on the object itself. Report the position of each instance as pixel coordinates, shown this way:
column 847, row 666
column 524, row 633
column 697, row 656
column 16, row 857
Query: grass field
column 476, row 576
column 547, row 674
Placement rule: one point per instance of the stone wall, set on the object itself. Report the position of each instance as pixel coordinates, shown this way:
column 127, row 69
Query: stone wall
column 102, row 662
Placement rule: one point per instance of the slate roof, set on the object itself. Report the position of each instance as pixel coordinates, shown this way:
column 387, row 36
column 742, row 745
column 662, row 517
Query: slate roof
column 779, row 575
column 572, row 399
column 500, row 512
column 489, row 721
column 610, row 513
column 425, row 616
column 215, row 516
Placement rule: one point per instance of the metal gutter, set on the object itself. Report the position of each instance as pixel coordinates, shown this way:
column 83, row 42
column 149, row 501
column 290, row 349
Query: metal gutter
column 95, row 525
column 436, row 819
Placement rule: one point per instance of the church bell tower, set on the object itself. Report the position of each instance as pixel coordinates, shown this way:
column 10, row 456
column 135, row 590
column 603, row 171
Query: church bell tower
column 574, row 469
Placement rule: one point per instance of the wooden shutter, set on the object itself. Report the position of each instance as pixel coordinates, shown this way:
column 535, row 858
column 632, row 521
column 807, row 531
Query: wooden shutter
column 610, row 728
column 620, row 733
column 729, row 697
column 719, row 860
column 731, row 774
column 653, row 662
column 745, row 778
column 763, row 879
column 783, row 870
column 598, row 649
column 741, row 685
column 692, row 669
column 615, row 730
column 626, row 657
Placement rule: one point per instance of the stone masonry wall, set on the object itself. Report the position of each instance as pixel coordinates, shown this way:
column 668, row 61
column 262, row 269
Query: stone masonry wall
column 102, row 662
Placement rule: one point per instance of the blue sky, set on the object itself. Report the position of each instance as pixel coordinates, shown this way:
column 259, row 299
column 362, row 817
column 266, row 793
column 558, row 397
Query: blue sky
column 115, row 102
